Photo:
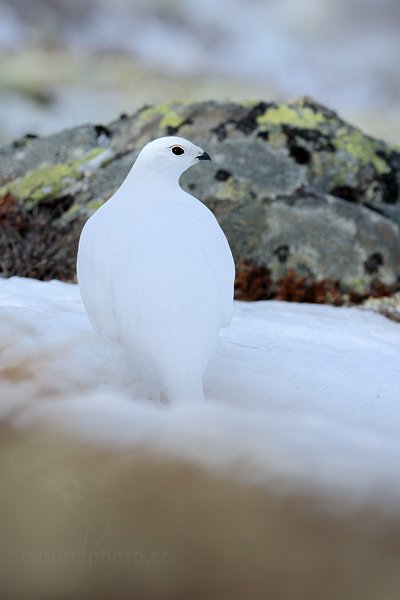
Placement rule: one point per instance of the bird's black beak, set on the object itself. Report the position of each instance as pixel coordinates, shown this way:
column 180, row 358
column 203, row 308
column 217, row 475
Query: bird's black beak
column 204, row 156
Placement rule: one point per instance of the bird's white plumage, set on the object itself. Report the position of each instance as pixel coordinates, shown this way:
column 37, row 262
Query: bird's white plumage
column 156, row 272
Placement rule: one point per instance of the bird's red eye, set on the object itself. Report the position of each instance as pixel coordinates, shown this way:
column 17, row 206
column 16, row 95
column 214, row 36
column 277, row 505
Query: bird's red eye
column 178, row 150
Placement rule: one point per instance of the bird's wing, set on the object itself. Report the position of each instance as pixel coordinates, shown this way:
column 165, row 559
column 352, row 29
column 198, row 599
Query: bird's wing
column 217, row 252
column 95, row 265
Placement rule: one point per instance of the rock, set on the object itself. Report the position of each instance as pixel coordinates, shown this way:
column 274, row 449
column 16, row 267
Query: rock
column 310, row 205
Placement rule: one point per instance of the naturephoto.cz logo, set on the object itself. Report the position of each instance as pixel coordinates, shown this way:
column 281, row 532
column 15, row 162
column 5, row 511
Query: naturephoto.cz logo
column 96, row 516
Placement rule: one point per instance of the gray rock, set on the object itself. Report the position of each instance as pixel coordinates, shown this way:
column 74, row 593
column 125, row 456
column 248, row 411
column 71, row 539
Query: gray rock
column 296, row 189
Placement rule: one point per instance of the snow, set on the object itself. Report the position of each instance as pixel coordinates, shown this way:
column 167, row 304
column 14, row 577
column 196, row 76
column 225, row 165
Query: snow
column 302, row 396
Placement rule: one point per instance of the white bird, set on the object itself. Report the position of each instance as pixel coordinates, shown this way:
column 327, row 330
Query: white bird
column 156, row 272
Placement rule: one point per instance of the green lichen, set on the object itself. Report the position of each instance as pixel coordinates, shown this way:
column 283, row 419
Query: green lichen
column 361, row 148
column 302, row 117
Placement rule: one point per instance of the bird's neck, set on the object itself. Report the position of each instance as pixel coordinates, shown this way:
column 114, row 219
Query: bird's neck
column 158, row 180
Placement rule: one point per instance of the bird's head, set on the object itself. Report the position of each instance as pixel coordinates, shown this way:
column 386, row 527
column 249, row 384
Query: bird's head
column 170, row 156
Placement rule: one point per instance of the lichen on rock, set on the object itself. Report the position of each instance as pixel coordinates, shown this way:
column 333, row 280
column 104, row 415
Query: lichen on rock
column 44, row 183
column 296, row 116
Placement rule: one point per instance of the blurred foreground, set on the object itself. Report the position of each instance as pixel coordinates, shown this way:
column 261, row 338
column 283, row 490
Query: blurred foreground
column 284, row 484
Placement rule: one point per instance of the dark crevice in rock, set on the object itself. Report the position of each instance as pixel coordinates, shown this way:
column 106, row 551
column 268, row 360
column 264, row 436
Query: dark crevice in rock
column 101, row 130
column 249, row 123
column 390, row 187
column 349, row 194
column 376, row 210
column 345, row 192
column 318, row 140
column 21, row 142
column 391, row 158
column 300, row 154
column 373, row 262
column 222, row 175
column 56, row 207
column 263, row 135
column 220, row 131
column 246, row 124
column 282, row 253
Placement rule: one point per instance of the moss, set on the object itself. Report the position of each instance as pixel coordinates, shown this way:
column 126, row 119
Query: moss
column 361, row 148
column 302, row 117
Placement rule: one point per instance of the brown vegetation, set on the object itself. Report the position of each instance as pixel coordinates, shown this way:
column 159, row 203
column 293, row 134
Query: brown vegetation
column 254, row 282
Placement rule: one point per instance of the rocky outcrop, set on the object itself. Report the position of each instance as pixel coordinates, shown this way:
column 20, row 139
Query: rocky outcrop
column 310, row 205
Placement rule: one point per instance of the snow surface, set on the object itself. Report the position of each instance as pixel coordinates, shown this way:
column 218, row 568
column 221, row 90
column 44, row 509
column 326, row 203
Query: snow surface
column 304, row 396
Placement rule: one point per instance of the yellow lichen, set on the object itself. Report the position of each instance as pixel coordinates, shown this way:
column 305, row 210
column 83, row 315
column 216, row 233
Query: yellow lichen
column 361, row 148
column 93, row 205
column 48, row 181
column 93, row 153
column 233, row 190
column 168, row 116
column 277, row 270
column 157, row 110
column 43, row 183
column 303, row 117
column 250, row 102
column 172, row 119
column 358, row 284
